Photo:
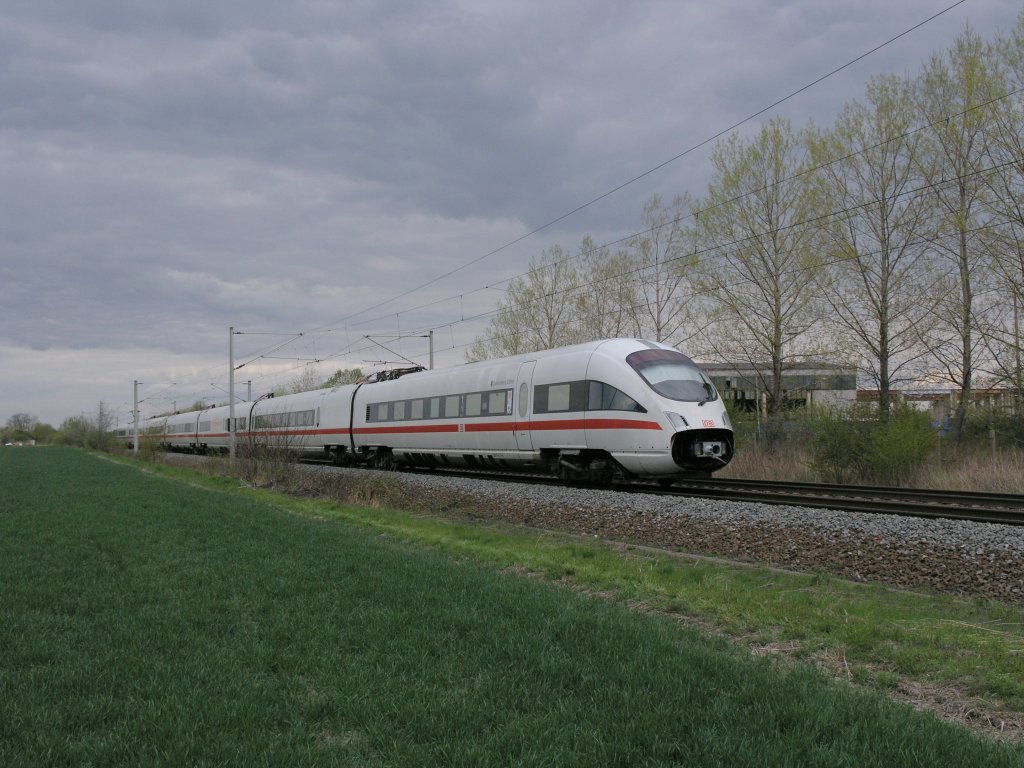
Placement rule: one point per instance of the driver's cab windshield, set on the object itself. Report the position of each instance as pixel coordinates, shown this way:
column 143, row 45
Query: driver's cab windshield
column 673, row 375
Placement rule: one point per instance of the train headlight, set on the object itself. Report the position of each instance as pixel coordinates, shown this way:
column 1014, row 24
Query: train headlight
column 725, row 419
column 678, row 422
column 709, row 449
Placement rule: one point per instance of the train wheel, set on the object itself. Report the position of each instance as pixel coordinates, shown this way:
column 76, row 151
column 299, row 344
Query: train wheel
column 382, row 459
column 342, row 458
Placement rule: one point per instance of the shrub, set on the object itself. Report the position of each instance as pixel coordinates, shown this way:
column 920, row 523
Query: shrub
column 899, row 446
column 268, row 462
column 1009, row 428
column 839, row 440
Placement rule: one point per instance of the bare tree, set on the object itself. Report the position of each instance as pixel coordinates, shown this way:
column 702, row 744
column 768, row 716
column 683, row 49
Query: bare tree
column 307, row 380
column 954, row 95
column 22, row 423
column 539, row 310
column 77, row 430
column 102, row 426
column 344, row 376
column 663, row 255
column 1006, row 201
column 876, row 283
column 759, row 260
column 608, row 297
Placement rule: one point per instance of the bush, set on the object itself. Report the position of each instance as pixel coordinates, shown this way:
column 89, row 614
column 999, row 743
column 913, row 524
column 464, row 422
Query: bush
column 262, row 465
column 839, row 442
column 1009, row 428
column 900, row 446
column 853, row 444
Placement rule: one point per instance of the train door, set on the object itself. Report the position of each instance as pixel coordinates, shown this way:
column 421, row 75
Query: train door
column 523, row 405
column 316, row 437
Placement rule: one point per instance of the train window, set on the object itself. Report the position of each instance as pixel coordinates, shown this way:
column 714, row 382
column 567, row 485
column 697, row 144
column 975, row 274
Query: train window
column 672, row 375
column 523, row 392
column 560, row 398
column 451, row 407
column 605, row 397
column 471, row 404
column 496, row 403
column 540, row 399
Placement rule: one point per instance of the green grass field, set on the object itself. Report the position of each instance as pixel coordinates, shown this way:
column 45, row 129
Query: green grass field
column 144, row 621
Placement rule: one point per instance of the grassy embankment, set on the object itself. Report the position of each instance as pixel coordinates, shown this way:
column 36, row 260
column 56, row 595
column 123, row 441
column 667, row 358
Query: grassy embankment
column 146, row 621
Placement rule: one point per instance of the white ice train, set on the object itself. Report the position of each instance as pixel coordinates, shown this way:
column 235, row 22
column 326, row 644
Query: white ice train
column 598, row 411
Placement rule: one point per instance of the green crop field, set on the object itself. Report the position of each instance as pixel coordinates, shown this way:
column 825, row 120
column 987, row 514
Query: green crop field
column 146, row 621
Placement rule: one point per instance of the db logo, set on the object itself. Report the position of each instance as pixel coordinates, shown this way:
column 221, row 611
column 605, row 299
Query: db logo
column 709, row 422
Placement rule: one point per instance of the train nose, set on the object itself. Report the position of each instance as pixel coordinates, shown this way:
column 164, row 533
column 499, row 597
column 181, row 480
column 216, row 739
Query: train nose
column 708, row 448
column 702, row 449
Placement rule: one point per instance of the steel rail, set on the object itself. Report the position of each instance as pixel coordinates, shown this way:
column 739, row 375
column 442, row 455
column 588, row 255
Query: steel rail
column 1004, row 508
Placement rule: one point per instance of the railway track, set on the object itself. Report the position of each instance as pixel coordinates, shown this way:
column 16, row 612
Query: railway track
column 1007, row 509
column 956, row 505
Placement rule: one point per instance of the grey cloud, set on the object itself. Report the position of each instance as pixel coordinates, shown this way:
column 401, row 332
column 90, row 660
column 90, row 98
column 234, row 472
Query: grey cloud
column 174, row 168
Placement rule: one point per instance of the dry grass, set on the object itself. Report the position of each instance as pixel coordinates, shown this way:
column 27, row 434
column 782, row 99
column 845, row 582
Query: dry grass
column 968, row 469
column 975, row 470
column 786, row 462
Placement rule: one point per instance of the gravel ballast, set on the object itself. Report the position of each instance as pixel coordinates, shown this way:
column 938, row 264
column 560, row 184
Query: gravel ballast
column 950, row 556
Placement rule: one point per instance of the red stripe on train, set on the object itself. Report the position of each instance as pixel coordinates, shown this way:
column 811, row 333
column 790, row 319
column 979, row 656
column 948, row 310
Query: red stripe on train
column 450, row 427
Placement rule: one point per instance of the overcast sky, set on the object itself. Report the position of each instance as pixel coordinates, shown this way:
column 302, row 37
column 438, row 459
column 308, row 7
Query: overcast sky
column 172, row 168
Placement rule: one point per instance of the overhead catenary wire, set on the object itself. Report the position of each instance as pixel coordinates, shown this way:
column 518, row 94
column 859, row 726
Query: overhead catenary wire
column 353, row 349
column 818, row 219
column 694, row 214
column 662, row 164
column 793, row 273
column 342, row 321
column 463, row 318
